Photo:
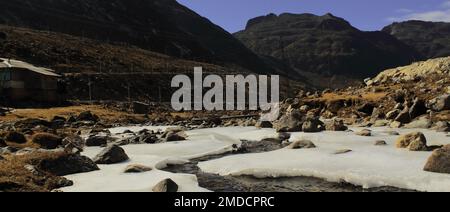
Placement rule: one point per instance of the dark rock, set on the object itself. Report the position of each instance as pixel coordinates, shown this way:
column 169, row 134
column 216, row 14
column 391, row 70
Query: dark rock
column 336, row 125
column 380, row 143
column 366, row 108
column 3, row 36
column 136, row 168
column 284, row 136
column 376, row 114
column 302, row 144
column 58, row 118
column 47, row 140
column 3, row 143
column 175, row 136
column 342, row 151
column 404, row 117
column 58, row 124
column 166, row 185
column 393, row 114
column 140, row 108
column 97, row 141
column 111, row 155
column 71, row 119
column 8, row 150
column 68, row 164
column 32, row 123
column 149, row 139
column 129, row 132
column 313, row 125
column 335, row 106
column 87, row 116
column 417, row 109
column 439, row 161
column 73, row 142
column 413, row 141
column 440, row 103
column 291, row 122
column 264, row 124
column 15, row 137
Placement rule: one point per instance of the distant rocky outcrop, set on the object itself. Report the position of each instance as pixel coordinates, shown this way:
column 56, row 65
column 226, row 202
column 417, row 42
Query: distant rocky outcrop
column 415, row 71
column 430, row 39
column 326, row 45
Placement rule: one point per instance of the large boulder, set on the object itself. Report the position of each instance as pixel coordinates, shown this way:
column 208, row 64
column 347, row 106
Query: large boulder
column 313, row 125
column 440, row 103
column 97, row 141
column 439, row 161
column 111, row 155
column 290, row 122
column 393, row 114
column 403, row 117
column 417, row 109
column 15, row 137
column 336, row 125
column 413, row 141
column 421, row 123
column 166, row 185
column 67, row 164
column 47, row 140
column 175, row 135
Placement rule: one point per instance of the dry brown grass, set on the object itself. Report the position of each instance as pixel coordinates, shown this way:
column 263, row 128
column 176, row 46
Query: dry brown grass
column 370, row 96
column 105, row 114
column 14, row 177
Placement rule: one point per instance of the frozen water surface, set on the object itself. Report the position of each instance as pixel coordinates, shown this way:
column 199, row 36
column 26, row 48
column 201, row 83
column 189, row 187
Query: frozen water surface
column 367, row 165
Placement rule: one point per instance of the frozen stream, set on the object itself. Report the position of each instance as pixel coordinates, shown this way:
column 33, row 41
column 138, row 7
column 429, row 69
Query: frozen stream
column 367, row 165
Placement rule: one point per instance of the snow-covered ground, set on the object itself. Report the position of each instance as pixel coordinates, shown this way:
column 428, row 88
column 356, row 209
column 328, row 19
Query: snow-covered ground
column 367, row 165
column 111, row 177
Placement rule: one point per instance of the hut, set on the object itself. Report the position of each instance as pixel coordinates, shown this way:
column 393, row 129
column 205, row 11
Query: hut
column 20, row 81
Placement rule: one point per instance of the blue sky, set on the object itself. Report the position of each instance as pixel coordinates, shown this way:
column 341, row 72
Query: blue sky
column 232, row 15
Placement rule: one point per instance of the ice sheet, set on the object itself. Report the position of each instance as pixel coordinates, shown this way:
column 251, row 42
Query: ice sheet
column 111, row 177
column 368, row 165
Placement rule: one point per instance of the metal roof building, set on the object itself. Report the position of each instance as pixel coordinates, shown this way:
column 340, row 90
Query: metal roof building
column 21, row 81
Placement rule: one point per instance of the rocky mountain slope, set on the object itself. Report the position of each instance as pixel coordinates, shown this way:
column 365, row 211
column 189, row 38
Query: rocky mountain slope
column 439, row 67
column 163, row 26
column 325, row 45
column 113, row 71
column 431, row 39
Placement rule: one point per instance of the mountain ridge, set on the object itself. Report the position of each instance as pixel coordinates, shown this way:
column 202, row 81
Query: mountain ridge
column 327, row 45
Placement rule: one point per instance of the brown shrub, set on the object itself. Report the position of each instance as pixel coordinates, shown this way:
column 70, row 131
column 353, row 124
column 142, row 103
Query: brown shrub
column 16, row 177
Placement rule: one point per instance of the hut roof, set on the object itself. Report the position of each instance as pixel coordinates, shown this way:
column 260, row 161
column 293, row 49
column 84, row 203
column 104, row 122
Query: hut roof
column 9, row 63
